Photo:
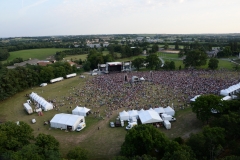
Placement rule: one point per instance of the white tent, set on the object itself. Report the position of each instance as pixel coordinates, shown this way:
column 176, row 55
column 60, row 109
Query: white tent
column 84, row 111
column 81, row 111
column 77, row 110
column 226, row 98
column 159, row 110
column 142, row 79
column 168, row 110
column 142, row 110
column 194, row 98
column 66, row 121
column 42, row 103
column 133, row 113
column 124, row 115
column 149, row 116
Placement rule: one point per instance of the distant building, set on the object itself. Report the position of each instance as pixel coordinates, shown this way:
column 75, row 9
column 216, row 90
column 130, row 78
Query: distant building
column 43, row 63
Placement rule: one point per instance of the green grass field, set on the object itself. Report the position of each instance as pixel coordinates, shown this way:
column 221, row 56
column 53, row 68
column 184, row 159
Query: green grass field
column 102, row 144
column 40, row 54
column 76, row 57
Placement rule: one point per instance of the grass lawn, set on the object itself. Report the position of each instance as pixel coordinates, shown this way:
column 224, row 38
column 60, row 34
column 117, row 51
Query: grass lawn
column 102, row 144
column 76, row 57
column 40, row 54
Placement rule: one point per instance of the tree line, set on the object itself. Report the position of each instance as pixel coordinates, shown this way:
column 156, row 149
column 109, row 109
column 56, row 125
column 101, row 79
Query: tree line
column 16, row 80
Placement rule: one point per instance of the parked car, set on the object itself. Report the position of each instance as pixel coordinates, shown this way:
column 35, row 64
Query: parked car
column 112, row 124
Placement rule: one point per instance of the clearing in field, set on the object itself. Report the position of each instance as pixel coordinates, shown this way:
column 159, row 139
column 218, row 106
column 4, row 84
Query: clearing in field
column 40, row 54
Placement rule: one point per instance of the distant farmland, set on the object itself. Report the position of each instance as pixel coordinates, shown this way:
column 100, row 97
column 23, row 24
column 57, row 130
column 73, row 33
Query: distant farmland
column 40, row 54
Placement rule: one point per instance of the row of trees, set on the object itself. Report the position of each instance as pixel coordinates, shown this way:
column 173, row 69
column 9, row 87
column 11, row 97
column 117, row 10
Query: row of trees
column 4, row 54
column 18, row 142
column 13, row 81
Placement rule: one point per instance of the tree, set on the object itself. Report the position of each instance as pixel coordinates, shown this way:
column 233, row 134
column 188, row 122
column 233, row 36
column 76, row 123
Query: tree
column 204, row 105
column 143, row 139
column 138, row 62
column 4, row 54
column 154, row 48
column 14, row 136
column 153, row 61
column 166, row 46
column 78, row 153
column 213, row 63
column 46, row 143
column 195, row 58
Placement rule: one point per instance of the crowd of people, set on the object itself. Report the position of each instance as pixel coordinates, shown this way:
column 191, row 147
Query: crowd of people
column 107, row 93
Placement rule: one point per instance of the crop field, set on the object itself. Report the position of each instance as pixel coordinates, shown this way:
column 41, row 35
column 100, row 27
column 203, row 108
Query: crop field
column 40, row 54
column 104, row 143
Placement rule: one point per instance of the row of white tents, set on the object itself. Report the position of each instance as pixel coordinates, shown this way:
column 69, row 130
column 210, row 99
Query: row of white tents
column 147, row 116
column 230, row 90
column 41, row 102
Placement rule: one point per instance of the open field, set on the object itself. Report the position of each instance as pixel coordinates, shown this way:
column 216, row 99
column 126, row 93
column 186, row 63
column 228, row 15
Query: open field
column 40, row 54
column 104, row 143
column 76, row 57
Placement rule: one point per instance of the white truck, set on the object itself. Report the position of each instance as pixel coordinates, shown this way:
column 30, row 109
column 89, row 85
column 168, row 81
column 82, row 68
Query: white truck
column 168, row 117
column 167, row 124
column 71, row 75
column 28, row 108
column 131, row 125
column 81, row 126
column 56, row 79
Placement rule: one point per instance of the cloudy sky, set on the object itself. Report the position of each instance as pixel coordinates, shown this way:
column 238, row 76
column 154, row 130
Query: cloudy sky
column 81, row 17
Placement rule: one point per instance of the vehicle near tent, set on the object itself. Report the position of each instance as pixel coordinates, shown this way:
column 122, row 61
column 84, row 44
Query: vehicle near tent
column 81, row 126
column 94, row 74
column 167, row 124
column 71, row 75
column 28, row 108
column 95, row 70
column 131, row 125
column 168, row 117
column 56, row 79
column 112, row 124
column 43, row 84
column 117, row 123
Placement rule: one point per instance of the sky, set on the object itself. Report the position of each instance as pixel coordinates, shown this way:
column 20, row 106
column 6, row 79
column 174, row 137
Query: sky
column 88, row 17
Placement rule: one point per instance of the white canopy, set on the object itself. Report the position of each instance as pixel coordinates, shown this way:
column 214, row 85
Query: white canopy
column 42, row 103
column 159, row 110
column 149, row 116
column 64, row 121
column 168, row 110
column 81, row 111
column 194, row 98
column 142, row 79
column 124, row 115
column 133, row 113
column 226, row 98
column 230, row 90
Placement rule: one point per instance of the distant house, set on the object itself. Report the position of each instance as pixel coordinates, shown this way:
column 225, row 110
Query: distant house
column 22, row 64
column 93, row 45
column 71, row 63
column 213, row 52
column 43, row 63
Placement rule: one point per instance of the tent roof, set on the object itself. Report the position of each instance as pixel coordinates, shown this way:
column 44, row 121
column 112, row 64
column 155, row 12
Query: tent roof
column 67, row 119
column 123, row 113
column 149, row 116
column 133, row 113
column 78, row 109
column 159, row 110
column 84, row 110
